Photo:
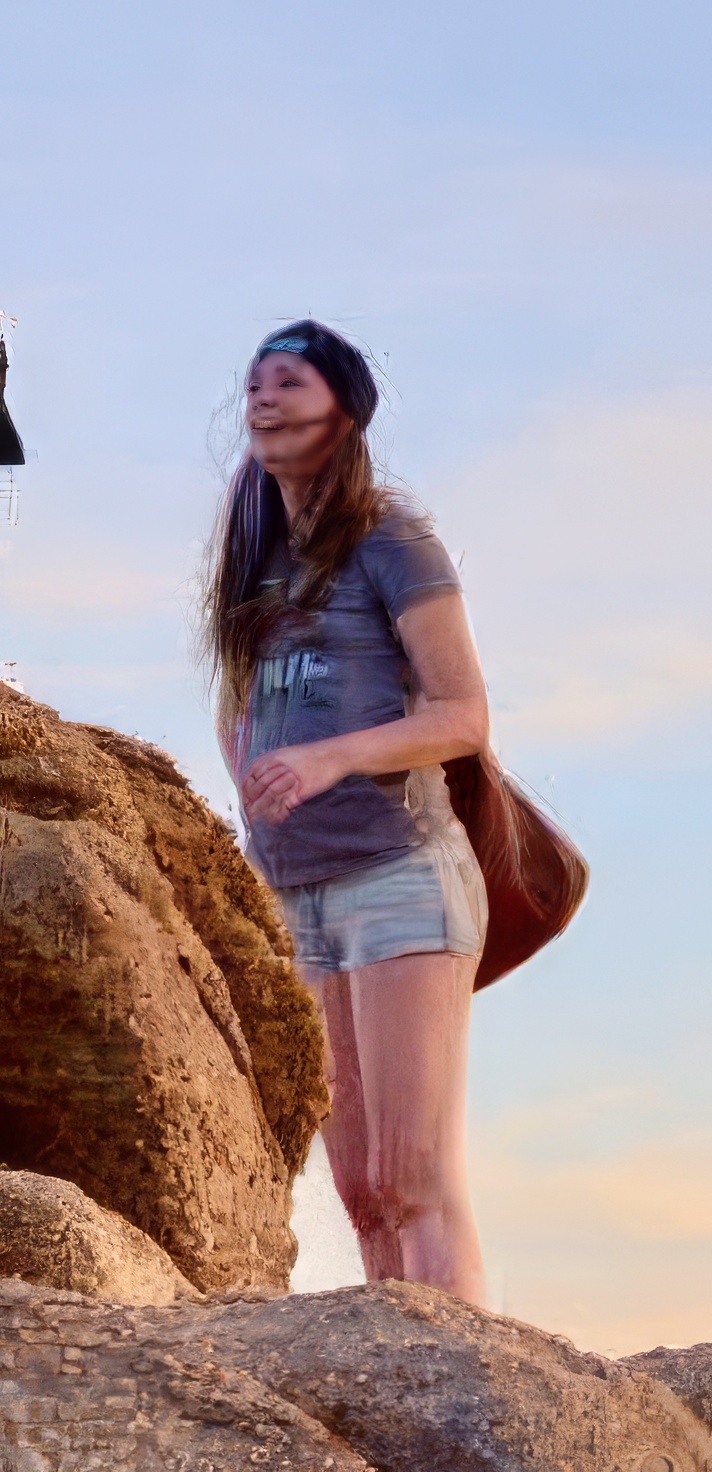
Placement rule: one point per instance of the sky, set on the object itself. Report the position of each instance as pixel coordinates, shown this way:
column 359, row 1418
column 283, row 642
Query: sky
column 510, row 206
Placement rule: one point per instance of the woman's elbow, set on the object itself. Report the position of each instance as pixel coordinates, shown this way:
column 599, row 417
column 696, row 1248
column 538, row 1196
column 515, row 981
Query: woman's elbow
column 473, row 730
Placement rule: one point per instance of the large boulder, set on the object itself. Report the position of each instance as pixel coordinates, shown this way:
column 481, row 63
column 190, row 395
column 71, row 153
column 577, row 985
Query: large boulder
column 220, row 897
column 51, row 1233
column 135, row 945
column 391, row 1376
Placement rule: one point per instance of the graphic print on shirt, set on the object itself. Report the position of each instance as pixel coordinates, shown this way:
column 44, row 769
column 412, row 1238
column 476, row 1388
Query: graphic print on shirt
column 303, row 677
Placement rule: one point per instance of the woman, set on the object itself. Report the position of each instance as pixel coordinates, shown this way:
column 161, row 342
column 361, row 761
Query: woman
column 347, row 675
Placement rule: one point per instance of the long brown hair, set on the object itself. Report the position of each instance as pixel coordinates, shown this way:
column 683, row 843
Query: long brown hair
column 239, row 618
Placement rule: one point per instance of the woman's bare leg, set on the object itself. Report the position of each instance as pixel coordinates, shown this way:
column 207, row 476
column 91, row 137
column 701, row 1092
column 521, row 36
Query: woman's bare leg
column 411, row 1027
column 344, row 1130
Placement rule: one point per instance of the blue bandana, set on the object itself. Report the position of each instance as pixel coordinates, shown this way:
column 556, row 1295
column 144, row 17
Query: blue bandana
column 286, row 345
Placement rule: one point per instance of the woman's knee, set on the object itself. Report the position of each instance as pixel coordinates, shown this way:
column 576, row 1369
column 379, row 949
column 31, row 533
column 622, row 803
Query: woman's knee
column 405, row 1184
column 379, row 1200
column 370, row 1207
column 365, row 1209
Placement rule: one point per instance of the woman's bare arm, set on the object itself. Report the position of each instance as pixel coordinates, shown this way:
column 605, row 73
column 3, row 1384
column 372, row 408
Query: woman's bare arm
column 450, row 720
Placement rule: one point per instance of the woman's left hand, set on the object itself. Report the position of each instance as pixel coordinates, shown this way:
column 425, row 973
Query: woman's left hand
column 276, row 783
column 451, row 721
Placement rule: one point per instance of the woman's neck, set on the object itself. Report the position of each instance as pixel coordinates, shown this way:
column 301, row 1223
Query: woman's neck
column 295, row 491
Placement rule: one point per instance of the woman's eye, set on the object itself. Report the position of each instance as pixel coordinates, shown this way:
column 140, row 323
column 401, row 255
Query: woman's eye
column 289, row 383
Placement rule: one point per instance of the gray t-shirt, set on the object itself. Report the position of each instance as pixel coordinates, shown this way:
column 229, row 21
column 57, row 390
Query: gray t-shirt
column 342, row 668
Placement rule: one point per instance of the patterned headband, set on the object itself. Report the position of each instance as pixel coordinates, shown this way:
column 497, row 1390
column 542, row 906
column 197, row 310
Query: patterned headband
column 285, row 345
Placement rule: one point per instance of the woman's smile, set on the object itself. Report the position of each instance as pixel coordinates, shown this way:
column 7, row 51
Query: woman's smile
column 287, row 397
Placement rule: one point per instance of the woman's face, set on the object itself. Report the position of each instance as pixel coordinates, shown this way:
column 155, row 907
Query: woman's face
column 293, row 419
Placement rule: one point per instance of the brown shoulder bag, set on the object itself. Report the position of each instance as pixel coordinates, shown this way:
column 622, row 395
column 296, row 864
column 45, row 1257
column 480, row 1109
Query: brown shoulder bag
column 534, row 875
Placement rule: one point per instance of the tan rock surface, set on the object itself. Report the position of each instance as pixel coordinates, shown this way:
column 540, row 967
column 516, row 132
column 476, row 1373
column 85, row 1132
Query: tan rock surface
column 393, row 1377
column 233, row 914
column 123, row 1066
column 687, row 1371
column 51, row 1233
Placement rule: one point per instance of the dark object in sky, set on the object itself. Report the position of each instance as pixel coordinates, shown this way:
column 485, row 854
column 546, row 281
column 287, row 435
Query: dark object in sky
column 11, row 451
column 534, row 875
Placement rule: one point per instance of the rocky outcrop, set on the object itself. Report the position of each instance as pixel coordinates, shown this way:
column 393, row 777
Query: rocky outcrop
column 687, row 1371
column 51, row 1233
column 140, row 959
column 158, row 1053
column 391, row 1377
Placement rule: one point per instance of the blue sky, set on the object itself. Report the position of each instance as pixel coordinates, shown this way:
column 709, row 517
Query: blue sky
column 511, row 206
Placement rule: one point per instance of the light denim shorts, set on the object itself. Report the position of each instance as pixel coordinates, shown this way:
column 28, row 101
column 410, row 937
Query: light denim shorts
column 426, row 900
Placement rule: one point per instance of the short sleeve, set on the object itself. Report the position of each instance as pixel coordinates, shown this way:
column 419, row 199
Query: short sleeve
column 406, row 562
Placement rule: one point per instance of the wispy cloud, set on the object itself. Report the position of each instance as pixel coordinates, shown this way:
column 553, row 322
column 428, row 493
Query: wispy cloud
column 607, row 684
column 464, row 231
column 604, row 1239
column 103, row 677
column 587, row 568
column 98, row 590
column 106, row 582
column 655, row 1192
column 591, row 494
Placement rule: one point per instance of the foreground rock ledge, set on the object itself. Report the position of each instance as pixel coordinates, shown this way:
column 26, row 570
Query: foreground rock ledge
column 393, row 1377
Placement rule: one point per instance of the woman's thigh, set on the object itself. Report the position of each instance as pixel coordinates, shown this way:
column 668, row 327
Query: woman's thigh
column 331, row 994
column 344, row 1129
column 410, row 1018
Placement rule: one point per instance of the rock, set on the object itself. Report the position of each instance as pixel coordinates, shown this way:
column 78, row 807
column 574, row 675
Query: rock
column 51, row 1233
column 687, row 1371
column 98, row 1387
column 391, row 1376
column 123, row 1066
column 233, row 914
